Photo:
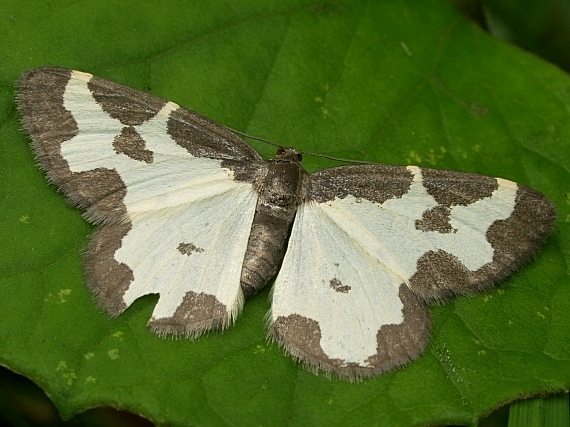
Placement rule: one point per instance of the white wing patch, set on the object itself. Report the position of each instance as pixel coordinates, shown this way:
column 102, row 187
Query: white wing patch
column 320, row 252
column 218, row 227
column 368, row 250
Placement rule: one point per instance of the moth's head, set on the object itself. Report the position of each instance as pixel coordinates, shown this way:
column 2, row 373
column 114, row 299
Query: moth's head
column 289, row 155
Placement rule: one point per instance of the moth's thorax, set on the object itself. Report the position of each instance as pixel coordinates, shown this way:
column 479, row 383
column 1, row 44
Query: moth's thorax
column 281, row 184
column 278, row 200
column 289, row 155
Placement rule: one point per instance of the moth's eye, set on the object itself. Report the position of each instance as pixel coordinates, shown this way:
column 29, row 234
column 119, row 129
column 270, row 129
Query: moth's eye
column 299, row 156
column 280, row 150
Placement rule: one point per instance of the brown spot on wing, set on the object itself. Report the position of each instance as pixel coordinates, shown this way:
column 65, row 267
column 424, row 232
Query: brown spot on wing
column 301, row 338
column 188, row 248
column 400, row 344
column 441, row 275
column 130, row 143
column 198, row 313
column 397, row 344
column 101, row 193
column 203, row 137
column 376, row 183
column 515, row 240
column 450, row 188
column 130, row 106
column 436, row 219
column 107, row 278
column 338, row 286
column 40, row 101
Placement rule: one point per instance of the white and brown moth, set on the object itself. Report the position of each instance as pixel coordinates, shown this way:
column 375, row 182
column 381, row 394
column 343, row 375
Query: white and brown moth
column 190, row 211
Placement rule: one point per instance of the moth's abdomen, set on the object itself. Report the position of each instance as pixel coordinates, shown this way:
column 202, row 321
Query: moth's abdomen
column 274, row 214
column 265, row 250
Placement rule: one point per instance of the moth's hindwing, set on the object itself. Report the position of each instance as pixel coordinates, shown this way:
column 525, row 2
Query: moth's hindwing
column 372, row 244
column 172, row 190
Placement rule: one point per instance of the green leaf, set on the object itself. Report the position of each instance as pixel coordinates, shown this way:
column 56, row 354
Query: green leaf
column 551, row 412
column 393, row 82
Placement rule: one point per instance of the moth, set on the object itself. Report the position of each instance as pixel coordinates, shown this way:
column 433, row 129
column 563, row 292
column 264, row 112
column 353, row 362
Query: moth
column 188, row 210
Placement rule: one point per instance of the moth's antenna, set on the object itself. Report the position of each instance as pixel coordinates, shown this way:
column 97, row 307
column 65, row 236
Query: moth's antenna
column 338, row 159
column 306, row 153
column 255, row 138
